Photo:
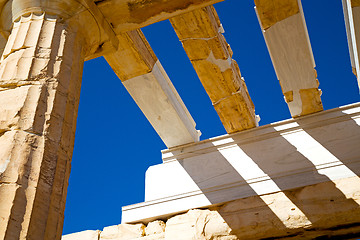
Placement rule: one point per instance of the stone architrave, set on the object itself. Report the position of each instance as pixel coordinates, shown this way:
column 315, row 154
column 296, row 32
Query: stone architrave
column 143, row 76
column 351, row 10
column 40, row 79
column 284, row 27
column 200, row 33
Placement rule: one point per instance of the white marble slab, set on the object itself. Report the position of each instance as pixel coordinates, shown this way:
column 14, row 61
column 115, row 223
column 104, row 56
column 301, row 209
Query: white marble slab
column 161, row 104
column 281, row 156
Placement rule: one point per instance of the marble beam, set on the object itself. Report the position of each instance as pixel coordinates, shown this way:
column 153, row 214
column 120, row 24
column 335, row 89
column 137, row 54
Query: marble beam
column 147, row 82
column 284, row 28
column 352, row 20
column 102, row 21
column 128, row 15
column 200, row 32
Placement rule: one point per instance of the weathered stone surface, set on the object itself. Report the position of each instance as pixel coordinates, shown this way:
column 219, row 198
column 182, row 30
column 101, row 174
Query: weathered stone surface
column 325, row 210
column 143, row 76
column 19, row 107
column 271, row 12
column 40, row 78
column 123, row 232
column 129, row 15
column 84, row 235
column 155, row 227
column 12, row 102
column 355, row 3
column 103, row 19
column 133, row 58
column 197, row 224
column 329, row 211
column 283, row 25
column 200, row 32
column 352, row 22
column 158, row 236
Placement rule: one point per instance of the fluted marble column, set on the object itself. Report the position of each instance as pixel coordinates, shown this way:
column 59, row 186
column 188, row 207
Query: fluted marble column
column 40, row 78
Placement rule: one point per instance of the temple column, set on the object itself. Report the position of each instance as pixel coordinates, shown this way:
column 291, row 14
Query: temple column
column 40, row 79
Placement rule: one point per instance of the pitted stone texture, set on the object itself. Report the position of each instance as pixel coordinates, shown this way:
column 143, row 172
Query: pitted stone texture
column 198, row 225
column 36, row 53
column 84, row 235
column 12, row 102
column 200, row 33
column 331, row 207
column 155, row 227
column 123, row 232
column 159, row 236
column 19, row 108
column 40, row 78
column 284, row 27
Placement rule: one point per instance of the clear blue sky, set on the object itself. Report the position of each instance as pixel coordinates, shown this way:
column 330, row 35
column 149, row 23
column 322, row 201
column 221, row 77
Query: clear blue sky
column 114, row 142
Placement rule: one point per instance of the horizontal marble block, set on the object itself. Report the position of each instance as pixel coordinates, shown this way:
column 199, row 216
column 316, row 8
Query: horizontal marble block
column 322, row 147
column 161, row 104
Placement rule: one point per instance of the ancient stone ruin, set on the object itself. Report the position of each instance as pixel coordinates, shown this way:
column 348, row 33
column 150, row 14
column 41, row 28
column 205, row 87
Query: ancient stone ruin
column 295, row 179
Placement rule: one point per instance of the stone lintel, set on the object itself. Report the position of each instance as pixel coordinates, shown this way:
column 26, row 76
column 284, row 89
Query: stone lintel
column 128, row 15
column 355, row 3
column 271, row 12
column 133, row 58
column 161, row 104
column 103, row 23
column 200, row 32
column 352, row 22
column 145, row 79
column 287, row 39
column 320, row 148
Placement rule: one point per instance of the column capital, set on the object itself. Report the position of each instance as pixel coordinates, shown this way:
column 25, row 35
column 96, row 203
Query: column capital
column 12, row 10
column 72, row 12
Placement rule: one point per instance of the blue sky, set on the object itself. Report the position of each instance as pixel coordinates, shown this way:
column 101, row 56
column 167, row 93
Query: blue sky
column 114, row 142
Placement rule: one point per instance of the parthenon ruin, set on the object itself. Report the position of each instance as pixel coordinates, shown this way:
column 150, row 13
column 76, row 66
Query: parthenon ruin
column 294, row 179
